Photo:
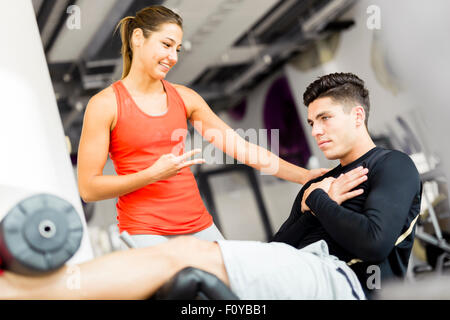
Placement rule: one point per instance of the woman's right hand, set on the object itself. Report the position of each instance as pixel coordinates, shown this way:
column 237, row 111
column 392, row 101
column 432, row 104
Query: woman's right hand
column 168, row 165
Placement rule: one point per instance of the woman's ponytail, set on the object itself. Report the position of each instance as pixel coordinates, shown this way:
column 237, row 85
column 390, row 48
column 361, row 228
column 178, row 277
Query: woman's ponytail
column 126, row 30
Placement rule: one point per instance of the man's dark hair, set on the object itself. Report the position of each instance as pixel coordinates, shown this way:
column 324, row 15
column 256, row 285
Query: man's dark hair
column 344, row 88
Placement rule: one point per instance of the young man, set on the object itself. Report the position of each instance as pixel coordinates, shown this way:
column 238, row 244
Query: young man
column 372, row 232
column 332, row 226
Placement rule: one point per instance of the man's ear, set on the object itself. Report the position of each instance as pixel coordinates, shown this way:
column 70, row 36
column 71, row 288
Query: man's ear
column 360, row 115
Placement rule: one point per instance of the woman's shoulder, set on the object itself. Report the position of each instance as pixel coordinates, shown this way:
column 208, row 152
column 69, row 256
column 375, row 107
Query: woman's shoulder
column 191, row 99
column 189, row 96
column 106, row 95
column 183, row 90
column 103, row 103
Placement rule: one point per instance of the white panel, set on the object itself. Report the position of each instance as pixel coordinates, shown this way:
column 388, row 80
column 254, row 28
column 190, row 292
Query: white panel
column 34, row 154
column 419, row 53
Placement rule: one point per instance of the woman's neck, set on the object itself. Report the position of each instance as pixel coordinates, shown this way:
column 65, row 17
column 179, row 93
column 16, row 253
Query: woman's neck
column 140, row 82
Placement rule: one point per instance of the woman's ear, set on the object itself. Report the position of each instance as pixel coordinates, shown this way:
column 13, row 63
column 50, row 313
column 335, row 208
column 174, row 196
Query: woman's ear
column 137, row 38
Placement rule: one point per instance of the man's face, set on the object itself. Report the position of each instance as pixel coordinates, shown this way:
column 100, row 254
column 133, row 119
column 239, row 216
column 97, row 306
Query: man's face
column 334, row 130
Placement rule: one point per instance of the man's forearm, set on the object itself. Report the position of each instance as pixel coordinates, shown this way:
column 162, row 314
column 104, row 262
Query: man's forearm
column 369, row 235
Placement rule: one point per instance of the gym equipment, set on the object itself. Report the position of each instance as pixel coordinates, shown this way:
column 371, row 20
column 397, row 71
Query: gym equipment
column 436, row 256
column 194, row 284
column 88, row 209
column 204, row 187
column 39, row 234
column 437, row 243
column 35, row 158
column 126, row 238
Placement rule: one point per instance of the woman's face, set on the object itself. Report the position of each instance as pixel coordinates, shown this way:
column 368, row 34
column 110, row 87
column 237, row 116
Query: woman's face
column 159, row 52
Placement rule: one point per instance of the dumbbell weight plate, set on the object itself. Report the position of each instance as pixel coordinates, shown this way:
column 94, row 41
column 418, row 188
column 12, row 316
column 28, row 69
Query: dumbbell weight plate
column 39, row 234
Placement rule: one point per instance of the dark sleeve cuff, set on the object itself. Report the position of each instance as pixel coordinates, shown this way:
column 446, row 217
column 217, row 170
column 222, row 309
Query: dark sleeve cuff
column 317, row 200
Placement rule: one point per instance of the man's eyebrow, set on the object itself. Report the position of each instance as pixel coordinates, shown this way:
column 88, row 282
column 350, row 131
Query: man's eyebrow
column 318, row 116
column 322, row 114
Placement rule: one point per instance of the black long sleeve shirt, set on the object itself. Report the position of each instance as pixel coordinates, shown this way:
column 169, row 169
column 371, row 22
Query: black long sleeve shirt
column 374, row 228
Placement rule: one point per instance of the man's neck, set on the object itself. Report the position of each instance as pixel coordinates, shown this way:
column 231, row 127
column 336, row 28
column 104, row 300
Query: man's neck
column 359, row 149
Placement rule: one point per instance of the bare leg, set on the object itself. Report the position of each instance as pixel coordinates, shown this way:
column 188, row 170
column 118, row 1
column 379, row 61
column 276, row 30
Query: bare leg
column 131, row 274
column 201, row 254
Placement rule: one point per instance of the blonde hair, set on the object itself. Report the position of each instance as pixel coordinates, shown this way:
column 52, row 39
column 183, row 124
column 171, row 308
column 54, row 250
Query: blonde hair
column 149, row 20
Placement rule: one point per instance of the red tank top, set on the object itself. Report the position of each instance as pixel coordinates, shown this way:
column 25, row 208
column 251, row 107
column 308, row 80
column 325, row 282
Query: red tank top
column 166, row 207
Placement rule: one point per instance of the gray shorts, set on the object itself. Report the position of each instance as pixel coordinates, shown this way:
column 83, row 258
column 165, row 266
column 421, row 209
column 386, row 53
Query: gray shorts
column 272, row 271
column 147, row 240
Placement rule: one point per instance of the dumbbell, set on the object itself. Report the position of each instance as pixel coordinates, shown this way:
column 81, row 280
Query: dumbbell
column 39, row 234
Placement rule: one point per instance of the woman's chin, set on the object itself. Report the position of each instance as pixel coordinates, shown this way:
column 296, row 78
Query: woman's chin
column 157, row 75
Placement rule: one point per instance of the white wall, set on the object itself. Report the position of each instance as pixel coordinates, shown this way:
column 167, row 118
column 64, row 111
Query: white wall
column 354, row 54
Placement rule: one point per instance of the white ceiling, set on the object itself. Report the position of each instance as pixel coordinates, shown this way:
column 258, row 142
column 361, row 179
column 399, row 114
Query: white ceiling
column 211, row 27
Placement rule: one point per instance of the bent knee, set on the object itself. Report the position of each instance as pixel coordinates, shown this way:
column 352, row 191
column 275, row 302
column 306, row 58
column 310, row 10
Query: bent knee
column 190, row 251
column 189, row 248
column 190, row 243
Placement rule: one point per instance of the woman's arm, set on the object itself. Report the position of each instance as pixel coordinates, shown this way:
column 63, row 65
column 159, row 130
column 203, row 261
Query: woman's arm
column 93, row 154
column 213, row 129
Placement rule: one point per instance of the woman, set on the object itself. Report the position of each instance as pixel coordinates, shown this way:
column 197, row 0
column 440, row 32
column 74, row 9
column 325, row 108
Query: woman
column 134, row 120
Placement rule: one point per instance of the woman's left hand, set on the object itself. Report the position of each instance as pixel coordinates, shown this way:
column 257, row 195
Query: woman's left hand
column 314, row 173
column 325, row 185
